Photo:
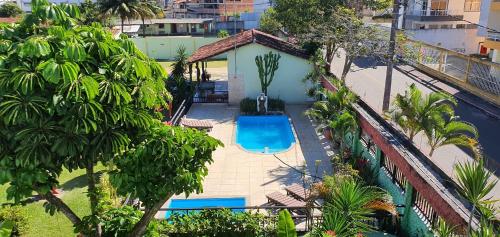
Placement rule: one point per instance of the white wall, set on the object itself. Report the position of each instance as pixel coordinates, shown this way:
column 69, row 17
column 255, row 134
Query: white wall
column 462, row 40
column 483, row 18
column 165, row 47
column 287, row 84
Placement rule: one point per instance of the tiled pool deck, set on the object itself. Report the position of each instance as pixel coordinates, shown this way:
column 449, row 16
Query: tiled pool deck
column 237, row 173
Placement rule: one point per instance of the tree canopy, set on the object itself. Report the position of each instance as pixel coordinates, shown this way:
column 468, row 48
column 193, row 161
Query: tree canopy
column 10, row 9
column 72, row 96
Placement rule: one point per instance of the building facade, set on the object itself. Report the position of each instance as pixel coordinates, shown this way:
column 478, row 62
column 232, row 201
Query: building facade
column 206, row 8
column 490, row 17
column 444, row 23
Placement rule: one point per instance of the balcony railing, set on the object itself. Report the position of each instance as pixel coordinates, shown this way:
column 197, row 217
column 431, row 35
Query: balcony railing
column 495, row 36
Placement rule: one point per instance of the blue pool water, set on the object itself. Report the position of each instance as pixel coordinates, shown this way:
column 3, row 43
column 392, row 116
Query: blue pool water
column 205, row 202
column 264, row 134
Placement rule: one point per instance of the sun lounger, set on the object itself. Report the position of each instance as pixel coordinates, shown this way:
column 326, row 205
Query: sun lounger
column 280, row 199
column 296, row 191
column 197, row 124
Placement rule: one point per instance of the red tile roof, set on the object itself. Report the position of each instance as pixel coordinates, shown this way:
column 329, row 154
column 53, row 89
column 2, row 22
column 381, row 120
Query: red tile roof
column 244, row 38
column 9, row 20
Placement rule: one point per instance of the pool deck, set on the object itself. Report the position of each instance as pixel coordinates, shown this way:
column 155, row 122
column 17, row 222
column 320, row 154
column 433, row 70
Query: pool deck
column 238, row 173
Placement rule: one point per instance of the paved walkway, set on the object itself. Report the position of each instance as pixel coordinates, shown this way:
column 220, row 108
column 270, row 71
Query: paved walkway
column 367, row 79
column 237, row 173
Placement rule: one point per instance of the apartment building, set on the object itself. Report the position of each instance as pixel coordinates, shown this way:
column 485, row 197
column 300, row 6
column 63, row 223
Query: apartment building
column 444, row 23
column 490, row 17
column 206, row 8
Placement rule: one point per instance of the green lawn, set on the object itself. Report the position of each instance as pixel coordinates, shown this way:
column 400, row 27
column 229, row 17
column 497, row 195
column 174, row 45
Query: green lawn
column 211, row 64
column 42, row 224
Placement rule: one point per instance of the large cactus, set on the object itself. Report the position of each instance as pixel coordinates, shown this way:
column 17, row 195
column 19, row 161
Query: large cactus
column 267, row 66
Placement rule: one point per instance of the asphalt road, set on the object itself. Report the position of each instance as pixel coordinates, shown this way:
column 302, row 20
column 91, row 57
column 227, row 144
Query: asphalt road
column 367, row 79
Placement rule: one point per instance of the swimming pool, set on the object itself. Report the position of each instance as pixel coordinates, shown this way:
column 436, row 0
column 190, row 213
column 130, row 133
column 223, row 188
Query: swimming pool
column 264, row 134
column 205, row 202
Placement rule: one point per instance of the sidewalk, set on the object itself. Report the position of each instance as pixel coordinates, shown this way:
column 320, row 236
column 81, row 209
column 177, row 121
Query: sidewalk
column 367, row 79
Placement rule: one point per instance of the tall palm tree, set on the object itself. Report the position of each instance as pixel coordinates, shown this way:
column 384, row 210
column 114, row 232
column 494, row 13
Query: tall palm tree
column 441, row 131
column 474, row 184
column 125, row 9
column 412, row 109
column 148, row 9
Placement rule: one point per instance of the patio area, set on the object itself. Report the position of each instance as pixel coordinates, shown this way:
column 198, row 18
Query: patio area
column 237, row 173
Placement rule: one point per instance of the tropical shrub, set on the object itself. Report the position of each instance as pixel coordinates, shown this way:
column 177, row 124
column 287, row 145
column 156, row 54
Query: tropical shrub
column 222, row 222
column 16, row 217
column 10, row 9
column 285, row 227
column 222, row 34
column 249, row 106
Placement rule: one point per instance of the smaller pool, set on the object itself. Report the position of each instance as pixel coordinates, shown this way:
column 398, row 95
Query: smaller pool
column 205, row 202
column 264, row 134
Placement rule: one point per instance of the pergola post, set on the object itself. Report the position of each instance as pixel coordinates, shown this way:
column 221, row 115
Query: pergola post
column 190, row 72
column 197, row 72
column 203, row 75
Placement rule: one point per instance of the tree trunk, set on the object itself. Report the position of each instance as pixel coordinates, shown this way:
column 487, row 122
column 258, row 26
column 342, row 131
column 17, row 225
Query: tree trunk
column 469, row 225
column 411, row 135
column 62, row 207
column 92, row 194
column 347, row 67
column 143, row 28
column 431, row 152
column 329, row 58
column 140, row 227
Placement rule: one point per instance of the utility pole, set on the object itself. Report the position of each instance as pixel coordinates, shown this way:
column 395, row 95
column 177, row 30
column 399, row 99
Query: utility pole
column 390, row 64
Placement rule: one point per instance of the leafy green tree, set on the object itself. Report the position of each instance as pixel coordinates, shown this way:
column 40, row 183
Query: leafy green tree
column 222, row 34
column 72, row 96
column 10, row 9
column 474, row 184
column 285, row 226
column 168, row 161
column 442, row 131
column 268, row 22
column 90, row 13
column 147, row 9
column 125, row 9
column 267, row 66
column 413, row 110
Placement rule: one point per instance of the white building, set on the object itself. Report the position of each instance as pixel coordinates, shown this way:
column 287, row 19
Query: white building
column 445, row 23
column 26, row 4
column 490, row 17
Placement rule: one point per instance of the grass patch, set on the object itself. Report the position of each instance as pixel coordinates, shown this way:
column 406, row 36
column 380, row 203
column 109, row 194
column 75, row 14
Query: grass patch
column 211, row 64
column 75, row 196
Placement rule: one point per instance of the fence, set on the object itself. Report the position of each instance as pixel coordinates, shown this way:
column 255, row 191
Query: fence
column 477, row 76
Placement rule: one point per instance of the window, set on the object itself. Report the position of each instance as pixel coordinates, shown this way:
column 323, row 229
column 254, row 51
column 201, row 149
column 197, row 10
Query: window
column 439, row 7
column 460, row 26
column 161, row 25
column 470, row 26
column 419, row 26
column 446, row 26
column 433, row 26
column 472, row 5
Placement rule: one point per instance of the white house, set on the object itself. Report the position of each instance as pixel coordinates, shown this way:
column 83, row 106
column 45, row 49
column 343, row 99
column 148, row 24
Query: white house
column 243, row 81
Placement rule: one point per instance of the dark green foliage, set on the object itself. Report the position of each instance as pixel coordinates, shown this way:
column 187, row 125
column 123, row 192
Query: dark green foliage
column 15, row 217
column 267, row 66
column 286, row 227
column 268, row 22
column 176, row 156
column 10, row 9
column 90, row 12
column 249, row 106
column 218, row 223
column 222, row 34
